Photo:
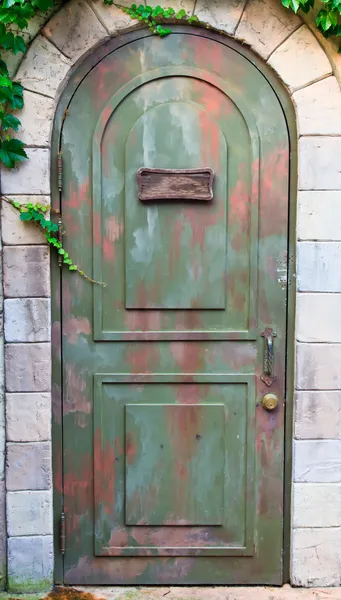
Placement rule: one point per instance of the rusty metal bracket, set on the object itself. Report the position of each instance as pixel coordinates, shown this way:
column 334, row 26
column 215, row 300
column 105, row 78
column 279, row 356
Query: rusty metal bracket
column 60, row 171
column 60, row 237
column 62, row 533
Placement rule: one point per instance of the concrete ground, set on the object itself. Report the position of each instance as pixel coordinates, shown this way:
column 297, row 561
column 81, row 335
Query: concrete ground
column 214, row 593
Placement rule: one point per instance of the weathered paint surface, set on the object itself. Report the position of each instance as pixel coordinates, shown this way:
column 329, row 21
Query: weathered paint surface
column 172, row 470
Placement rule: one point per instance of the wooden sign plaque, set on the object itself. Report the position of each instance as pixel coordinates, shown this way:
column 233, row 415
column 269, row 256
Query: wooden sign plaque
column 191, row 185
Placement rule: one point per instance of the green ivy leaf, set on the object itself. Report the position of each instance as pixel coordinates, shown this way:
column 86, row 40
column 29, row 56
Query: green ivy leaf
column 3, row 68
column 38, row 217
column 17, row 99
column 9, row 3
column 193, row 19
column 322, row 20
column 5, row 81
column 293, row 4
column 25, row 216
column 11, row 152
column 181, row 14
column 53, row 241
column 157, row 11
column 162, row 31
column 168, row 12
column 42, row 5
column 7, row 40
column 9, row 122
column 13, row 95
column 18, row 45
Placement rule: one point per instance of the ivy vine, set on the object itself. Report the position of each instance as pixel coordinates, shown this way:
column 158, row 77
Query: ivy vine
column 36, row 213
column 328, row 19
column 14, row 18
column 150, row 16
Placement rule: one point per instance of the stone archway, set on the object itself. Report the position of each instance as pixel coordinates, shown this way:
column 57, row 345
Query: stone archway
column 310, row 75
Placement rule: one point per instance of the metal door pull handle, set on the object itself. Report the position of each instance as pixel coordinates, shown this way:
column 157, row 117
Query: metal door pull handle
column 268, row 370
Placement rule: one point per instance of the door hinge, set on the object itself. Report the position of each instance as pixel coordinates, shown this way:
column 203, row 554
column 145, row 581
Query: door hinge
column 60, row 171
column 62, row 533
column 60, row 238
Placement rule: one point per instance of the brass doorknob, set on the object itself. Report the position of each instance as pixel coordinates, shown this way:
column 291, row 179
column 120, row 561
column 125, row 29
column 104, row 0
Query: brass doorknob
column 270, row 402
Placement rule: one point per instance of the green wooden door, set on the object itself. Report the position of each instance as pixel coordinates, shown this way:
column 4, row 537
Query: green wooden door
column 172, row 468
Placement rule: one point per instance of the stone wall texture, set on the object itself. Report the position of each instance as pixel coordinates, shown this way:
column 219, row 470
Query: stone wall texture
column 310, row 70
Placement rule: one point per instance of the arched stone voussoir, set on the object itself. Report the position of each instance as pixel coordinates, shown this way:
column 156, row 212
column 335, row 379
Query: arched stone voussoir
column 219, row 14
column 300, row 60
column 75, row 29
column 79, row 26
column 114, row 20
column 41, row 73
column 330, row 45
column 36, row 120
column 265, row 24
column 43, row 68
column 34, row 26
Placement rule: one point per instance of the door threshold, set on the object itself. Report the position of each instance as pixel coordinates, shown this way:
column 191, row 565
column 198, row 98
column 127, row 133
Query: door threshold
column 211, row 593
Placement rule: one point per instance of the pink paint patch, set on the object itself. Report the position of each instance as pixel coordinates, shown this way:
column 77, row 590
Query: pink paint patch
column 113, row 229
column 240, row 202
column 75, row 394
column 77, row 195
column 189, row 357
column 130, row 449
column 55, row 334
column 142, row 360
column 108, row 250
column 97, row 229
column 67, row 298
column 74, row 327
column 143, row 320
column 119, row 538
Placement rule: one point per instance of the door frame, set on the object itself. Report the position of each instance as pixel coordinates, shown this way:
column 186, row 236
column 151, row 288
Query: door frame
column 76, row 77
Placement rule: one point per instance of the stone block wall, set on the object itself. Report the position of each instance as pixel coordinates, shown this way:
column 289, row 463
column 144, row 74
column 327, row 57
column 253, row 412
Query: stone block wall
column 3, row 532
column 26, row 281
column 317, row 402
column 310, row 76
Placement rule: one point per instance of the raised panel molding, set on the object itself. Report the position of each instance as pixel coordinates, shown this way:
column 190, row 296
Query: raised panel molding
column 181, row 480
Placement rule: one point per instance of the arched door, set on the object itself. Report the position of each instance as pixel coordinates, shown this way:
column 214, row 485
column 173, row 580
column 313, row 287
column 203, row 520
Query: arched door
column 175, row 195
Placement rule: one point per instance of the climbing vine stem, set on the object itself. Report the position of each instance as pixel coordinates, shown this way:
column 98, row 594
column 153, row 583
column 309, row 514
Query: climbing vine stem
column 151, row 16
column 36, row 213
